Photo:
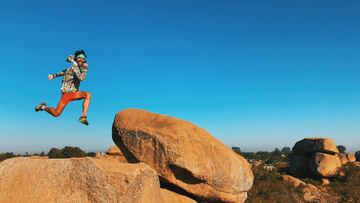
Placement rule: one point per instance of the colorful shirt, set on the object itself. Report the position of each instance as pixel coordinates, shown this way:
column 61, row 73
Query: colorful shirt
column 72, row 76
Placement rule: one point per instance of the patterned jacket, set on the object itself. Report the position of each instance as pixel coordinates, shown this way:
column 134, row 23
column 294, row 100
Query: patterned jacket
column 72, row 76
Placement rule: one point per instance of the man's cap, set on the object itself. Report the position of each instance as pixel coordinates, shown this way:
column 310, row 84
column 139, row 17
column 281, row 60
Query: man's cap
column 81, row 56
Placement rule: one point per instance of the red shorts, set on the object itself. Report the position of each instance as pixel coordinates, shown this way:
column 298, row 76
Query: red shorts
column 67, row 97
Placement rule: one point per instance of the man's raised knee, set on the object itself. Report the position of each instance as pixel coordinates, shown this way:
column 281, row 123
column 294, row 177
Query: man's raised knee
column 87, row 95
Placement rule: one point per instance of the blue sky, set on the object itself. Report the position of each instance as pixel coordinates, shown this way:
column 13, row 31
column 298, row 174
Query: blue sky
column 255, row 74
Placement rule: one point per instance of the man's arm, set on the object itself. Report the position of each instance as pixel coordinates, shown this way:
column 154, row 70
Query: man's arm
column 61, row 73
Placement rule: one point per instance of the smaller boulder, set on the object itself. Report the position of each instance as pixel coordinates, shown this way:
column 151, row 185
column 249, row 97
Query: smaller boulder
column 351, row 157
column 100, row 155
column 292, row 181
column 325, row 181
column 344, row 159
column 325, row 165
column 114, row 151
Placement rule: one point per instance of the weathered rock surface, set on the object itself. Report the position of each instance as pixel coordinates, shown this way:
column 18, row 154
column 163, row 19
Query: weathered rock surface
column 185, row 156
column 292, row 180
column 351, row 157
column 77, row 180
column 313, row 145
column 169, row 196
column 310, row 192
column 325, row 165
column 344, row 159
column 316, row 157
column 114, row 151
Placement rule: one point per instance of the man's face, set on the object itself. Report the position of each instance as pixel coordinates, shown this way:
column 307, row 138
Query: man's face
column 80, row 61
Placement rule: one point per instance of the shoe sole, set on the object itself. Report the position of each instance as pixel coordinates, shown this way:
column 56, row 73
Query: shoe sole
column 85, row 123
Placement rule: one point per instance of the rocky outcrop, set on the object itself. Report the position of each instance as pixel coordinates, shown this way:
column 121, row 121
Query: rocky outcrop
column 325, row 165
column 77, row 180
column 114, row 151
column 347, row 158
column 186, row 157
column 293, row 181
column 351, row 157
column 309, row 192
column 343, row 158
column 315, row 157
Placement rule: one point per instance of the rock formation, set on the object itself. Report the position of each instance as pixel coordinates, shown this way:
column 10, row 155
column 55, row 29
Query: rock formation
column 347, row 158
column 351, row 157
column 310, row 192
column 114, row 151
column 186, row 157
column 315, row 157
column 77, row 180
column 343, row 158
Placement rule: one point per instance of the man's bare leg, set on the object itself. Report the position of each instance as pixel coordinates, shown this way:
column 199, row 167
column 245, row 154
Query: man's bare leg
column 86, row 104
column 86, row 96
column 56, row 112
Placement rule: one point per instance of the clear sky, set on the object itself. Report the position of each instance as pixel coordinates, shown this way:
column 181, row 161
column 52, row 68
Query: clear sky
column 255, row 74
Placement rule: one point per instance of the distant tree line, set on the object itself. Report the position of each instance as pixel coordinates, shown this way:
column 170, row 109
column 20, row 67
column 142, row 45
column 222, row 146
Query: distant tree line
column 7, row 155
column 66, row 152
column 274, row 156
column 269, row 157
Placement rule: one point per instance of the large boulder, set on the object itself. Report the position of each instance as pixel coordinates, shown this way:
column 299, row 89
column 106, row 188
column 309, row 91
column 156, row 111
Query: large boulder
column 77, row 180
column 316, row 157
column 325, row 165
column 186, row 157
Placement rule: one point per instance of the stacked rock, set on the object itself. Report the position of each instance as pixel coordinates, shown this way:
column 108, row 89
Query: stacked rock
column 315, row 157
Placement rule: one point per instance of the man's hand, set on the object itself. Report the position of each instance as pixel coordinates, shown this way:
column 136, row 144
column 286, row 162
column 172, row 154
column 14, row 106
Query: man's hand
column 70, row 59
column 85, row 65
column 50, row 76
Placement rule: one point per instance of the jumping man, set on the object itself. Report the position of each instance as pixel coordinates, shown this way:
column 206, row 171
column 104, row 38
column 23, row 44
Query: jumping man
column 70, row 87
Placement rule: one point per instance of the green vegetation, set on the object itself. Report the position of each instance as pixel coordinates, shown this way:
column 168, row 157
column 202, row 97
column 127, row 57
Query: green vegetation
column 269, row 187
column 7, row 155
column 275, row 156
column 341, row 148
column 348, row 187
column 357, row 156
column 66, row 152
